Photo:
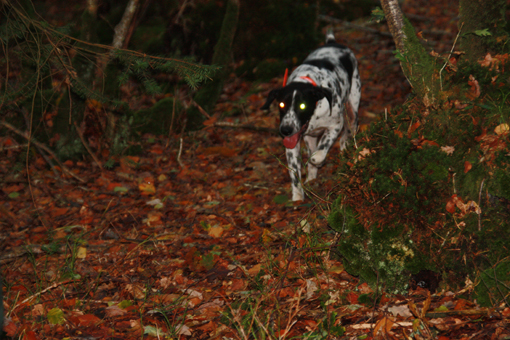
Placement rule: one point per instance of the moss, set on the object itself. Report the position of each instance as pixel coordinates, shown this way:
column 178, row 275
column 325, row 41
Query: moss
column 478, row 16
column 382, row 259
column 493, row 288
column 420, row 68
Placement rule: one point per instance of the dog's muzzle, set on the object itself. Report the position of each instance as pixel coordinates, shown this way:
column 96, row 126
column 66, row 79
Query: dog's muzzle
column 291, row 140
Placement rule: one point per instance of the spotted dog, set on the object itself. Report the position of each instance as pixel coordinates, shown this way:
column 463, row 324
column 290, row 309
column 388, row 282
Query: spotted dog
column 319, row 103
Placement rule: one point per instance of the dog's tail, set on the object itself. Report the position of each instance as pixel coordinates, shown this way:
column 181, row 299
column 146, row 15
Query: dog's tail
column 330, row 37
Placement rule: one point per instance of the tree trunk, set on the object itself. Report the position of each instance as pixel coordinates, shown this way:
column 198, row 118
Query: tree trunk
column 121, row 29
column 418, row 66
column 476, row 18
column 207, row 96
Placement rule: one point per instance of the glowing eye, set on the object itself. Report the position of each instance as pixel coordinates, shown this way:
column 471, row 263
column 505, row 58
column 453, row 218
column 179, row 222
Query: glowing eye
column 302, row 106
column 282, row 105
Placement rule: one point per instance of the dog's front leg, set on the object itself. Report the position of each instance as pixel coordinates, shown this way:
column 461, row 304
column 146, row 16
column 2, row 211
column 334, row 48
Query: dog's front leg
column 327, row 140
column 311, row 144
column 294, row 164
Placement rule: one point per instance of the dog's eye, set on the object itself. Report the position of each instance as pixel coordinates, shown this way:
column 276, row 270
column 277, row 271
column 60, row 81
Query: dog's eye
column 282, row 105
column 302, row 106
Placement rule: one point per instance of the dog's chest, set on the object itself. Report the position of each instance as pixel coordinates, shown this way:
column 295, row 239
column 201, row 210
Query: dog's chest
column 323, row 119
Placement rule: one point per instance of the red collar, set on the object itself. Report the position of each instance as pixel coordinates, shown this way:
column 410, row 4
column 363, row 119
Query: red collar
column 310, row 80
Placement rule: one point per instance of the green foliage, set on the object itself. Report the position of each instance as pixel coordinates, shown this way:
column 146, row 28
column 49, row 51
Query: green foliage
column 58, row 80
column 483, row 33
column 382, row 259
column 494, row 286
column 408, row 205
column 378, row 14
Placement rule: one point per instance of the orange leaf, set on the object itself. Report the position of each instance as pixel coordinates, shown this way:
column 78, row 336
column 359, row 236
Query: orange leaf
column 383, row 326
column 88, row 320
column 147, row 188
column 30, row 335
column 352, row 298
column 460, row 305
column 10, row 328
column 467, row 166
column 56, row 212
column 216, row 231
column 451, row 204
column 484, row 133
column 221, row 150
column 210, row 121
column 112, row 186
column 429, row 142
column 413, row 127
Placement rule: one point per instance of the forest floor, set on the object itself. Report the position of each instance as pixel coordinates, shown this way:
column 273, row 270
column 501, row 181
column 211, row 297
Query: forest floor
column 198, row 239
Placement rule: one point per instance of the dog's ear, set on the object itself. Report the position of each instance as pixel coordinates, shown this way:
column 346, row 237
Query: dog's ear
column 322, row 92
column 270, row 97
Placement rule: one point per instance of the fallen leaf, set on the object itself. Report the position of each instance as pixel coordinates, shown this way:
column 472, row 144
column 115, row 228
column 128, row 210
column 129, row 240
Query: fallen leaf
column 183, row 330
column 403, row 310
column 352, row 298
column 114, row 310
column 501, row 129
column 467, row 166
column 255, row 269
column 87, row 320
column 216, row 231
column 55, row 316
column 81, row 253
column 38, row 310
column 448, row 149
column 383, row 326
column 475, row 87
column 147, row 188
column 311, row 288
column 10, row 327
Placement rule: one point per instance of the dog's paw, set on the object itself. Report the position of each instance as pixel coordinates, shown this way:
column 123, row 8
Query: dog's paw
column 318, row 157
column 298, row 195
column 311, row 173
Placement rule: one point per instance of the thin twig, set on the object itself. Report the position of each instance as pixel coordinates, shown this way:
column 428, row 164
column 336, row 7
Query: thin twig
column 480, row 205
column 55, row 285
column 80, row 134
column 45, row 148
column 246, row 127
column 201, row 109
column 180, row 152
column 448, row 59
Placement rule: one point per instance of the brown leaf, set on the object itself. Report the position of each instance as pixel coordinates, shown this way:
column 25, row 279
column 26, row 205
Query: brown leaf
column 383, row 326
column 426, row 306
column 467, row 166
column 114, row 311
column 475, row 87
column 220, row 150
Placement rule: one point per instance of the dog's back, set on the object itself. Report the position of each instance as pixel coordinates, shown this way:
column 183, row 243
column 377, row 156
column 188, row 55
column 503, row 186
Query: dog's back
column 334, row 66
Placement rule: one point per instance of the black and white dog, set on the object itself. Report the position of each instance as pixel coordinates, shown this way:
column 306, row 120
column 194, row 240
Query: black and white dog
column 312, row 105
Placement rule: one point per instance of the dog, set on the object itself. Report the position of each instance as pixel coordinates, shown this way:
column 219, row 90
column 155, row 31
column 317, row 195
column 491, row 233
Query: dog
column 320, row 104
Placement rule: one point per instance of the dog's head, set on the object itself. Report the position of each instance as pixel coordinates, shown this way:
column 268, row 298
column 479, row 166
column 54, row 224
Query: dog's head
column 297, row 103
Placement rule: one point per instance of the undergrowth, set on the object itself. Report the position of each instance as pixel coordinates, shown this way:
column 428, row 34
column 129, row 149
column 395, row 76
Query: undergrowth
column 429, row 189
